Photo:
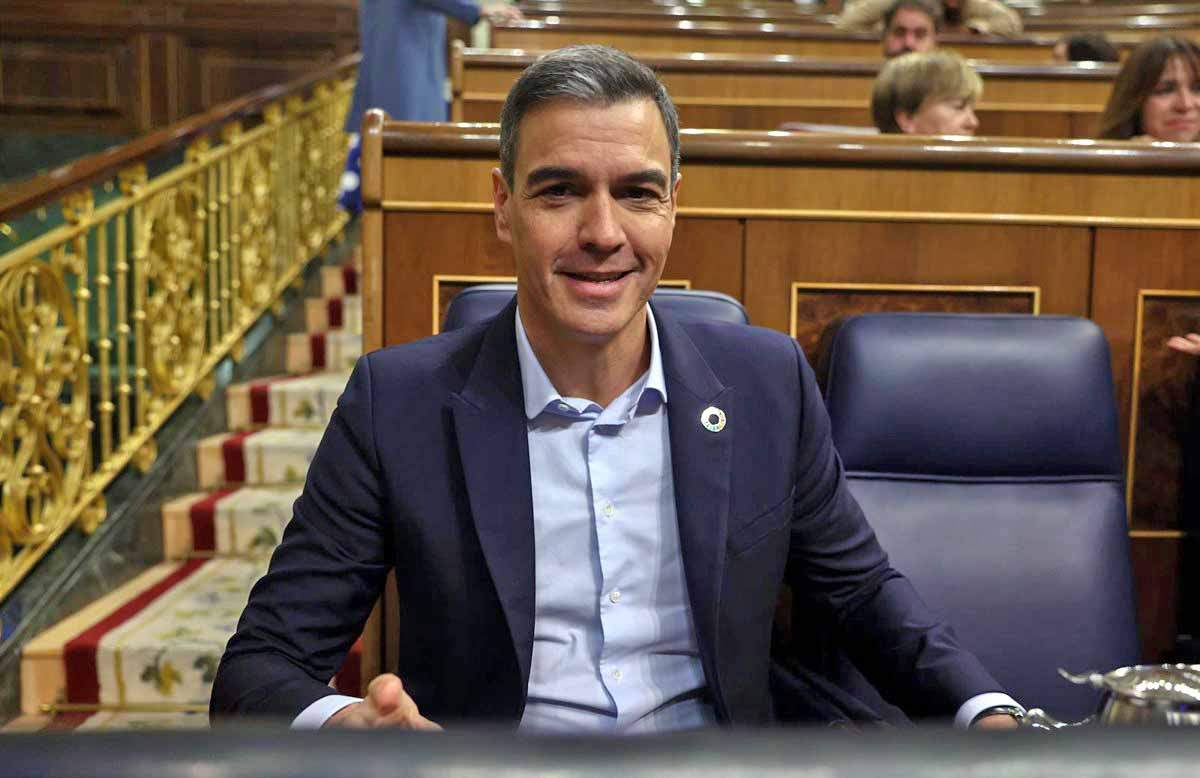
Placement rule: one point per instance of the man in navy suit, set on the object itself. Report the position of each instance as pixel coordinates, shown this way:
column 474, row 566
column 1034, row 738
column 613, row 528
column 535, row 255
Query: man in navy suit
column 590, row 506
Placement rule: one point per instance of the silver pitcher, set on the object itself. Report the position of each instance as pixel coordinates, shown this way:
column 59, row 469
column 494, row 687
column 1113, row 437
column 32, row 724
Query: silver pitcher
column 1160, row 695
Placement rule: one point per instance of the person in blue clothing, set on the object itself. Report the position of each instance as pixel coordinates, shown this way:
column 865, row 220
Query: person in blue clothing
column 403, row 68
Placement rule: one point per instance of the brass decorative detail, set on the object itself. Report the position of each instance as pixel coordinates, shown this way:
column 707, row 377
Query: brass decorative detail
column 110, row 321
column 44, row 415
column 145, row 457
column 91, row 517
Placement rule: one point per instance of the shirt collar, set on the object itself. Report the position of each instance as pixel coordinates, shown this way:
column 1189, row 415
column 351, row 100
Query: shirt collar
column 540, row 393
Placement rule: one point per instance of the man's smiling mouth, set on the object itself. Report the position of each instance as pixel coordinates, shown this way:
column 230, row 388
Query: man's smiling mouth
column 598, row 278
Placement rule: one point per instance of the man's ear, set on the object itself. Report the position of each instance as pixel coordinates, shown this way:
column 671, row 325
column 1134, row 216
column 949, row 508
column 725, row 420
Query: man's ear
column 675, row 196
column 501, row 197
column 906, row 122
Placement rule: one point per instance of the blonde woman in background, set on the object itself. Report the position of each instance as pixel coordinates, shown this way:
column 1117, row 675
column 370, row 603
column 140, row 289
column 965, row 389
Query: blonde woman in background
column 926, row 93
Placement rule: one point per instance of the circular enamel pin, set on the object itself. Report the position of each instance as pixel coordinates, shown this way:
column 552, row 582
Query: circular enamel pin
column 713, row 418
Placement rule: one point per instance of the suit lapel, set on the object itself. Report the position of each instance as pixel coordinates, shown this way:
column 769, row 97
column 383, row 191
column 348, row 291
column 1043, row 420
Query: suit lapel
column 489, row 421
column 701, row 465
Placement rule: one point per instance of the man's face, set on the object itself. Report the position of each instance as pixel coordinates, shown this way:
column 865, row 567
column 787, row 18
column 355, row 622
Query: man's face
column 589, row 218
column 910, row 30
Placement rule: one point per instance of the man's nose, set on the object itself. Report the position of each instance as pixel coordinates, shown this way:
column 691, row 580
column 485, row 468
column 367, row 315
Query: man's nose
column 600, row 225
column 972, row 121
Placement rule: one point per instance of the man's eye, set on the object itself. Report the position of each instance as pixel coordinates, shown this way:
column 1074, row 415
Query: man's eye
column 641, row 193
column 556, row 190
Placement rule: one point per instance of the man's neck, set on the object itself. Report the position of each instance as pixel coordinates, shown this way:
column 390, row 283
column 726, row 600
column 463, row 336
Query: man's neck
column 596, row 371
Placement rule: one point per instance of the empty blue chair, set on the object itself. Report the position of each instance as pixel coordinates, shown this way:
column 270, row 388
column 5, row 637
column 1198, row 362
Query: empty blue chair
column 984, row 450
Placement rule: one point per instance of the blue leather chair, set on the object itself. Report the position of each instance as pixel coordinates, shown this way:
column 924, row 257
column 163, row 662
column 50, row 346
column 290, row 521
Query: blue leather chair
column 476, row 303
column 984, row 450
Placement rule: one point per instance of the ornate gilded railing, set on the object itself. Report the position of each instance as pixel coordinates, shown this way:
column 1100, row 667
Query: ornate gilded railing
column 110, row 321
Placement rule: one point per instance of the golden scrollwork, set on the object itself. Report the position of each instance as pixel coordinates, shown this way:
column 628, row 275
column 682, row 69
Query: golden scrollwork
column 170, row 247
column 44, row 415
column 255, row 227
column 160, row 282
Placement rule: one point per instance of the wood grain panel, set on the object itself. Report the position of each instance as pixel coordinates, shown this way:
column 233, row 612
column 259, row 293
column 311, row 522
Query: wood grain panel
column 1126, row 262
column 420, row 245
column 82, row 77
column 780, row 252
column 1163, row 381
column 1156, row 571
column 818, row 308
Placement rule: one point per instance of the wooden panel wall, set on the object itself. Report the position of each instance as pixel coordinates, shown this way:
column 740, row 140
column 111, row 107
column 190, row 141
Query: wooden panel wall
column 803, row 242
column 129, row 66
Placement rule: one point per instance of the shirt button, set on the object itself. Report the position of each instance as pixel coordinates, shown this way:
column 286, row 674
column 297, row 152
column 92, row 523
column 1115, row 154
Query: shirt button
column 616, row 674
column 615, row 595
column 609, row 509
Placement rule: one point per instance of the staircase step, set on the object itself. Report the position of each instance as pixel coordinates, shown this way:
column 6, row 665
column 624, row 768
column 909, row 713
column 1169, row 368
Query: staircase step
column 269, row 456
column 153, row 643
column 285, row 401
column 241, row 522
column 333, row 314
column 339, row 280
column 307, row 352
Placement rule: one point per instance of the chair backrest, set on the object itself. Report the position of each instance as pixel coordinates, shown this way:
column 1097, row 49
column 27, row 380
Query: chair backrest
column 477, row 303
column 984, row 451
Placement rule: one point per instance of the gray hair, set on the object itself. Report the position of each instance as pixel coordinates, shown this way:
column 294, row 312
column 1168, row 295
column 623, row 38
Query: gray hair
column 588, row 75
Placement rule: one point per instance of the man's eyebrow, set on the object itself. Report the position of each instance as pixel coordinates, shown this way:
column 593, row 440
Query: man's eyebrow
column 550, row 173
column 647, row 176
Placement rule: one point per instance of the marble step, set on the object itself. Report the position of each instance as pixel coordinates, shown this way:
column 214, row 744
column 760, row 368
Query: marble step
column 256, row 458
column 333, row 314
column 150, row 646
column 307, row 352
column 339, row 280
column 248, row 521
column 285, row 401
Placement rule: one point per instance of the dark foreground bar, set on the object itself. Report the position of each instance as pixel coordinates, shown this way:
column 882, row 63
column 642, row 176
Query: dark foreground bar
column 808, row 753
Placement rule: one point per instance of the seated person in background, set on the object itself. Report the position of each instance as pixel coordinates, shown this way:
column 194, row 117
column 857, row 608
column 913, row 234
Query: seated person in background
column 579, row 543
column 930, row 93
column 1085, row 47
column 1157, row 93
column 908, row 25
column 1188, row 344
column 987, row 17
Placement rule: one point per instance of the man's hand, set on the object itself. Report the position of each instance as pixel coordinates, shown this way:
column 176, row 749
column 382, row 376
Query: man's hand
column 386, row 705
column 501, row 12
column 995, row 722
column 1188, row 344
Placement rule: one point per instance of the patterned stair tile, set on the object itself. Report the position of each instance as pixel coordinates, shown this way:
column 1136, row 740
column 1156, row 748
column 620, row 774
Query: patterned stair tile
column 306, row 352
column 339, row 280
column 241, row 522
column 153, row 644
column 285, row 401
column 333, row 314
column 269, row 456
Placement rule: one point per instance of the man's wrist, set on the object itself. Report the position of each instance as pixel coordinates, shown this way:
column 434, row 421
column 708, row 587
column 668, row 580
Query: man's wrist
column 1014, row 712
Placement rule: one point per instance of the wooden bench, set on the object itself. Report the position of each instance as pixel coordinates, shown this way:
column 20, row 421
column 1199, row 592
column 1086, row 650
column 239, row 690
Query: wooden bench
column 758, row 92
column 1128, row 26
column 807, row 229
column 646, row 37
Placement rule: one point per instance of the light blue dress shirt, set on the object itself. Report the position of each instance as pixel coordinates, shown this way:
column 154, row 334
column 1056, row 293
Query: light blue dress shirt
column 614, row 644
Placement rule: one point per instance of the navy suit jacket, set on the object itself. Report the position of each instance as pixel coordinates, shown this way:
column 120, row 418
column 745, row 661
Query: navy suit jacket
column 424, row 469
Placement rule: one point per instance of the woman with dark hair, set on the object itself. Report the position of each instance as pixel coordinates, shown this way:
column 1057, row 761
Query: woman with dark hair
column 1157, row 93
